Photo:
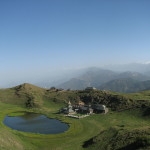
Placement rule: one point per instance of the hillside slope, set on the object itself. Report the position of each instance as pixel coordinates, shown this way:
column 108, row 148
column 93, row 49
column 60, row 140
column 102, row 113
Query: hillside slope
column 22, row 95
column 120, row 139
column 29, row 96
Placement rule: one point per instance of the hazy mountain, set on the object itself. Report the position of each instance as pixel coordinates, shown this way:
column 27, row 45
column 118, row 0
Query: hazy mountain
column 83, row 77
column 74, row 84
column 147, row 73
column 125, row 85
column 96, row 77
column 133, row 75
column 92, row 77
column 133, row 67
column 59, row 77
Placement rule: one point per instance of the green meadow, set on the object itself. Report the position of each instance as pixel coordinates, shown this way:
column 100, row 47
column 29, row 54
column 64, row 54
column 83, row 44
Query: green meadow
column 93, row 132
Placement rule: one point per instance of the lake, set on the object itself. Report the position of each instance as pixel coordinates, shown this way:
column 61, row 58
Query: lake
column 36, row 123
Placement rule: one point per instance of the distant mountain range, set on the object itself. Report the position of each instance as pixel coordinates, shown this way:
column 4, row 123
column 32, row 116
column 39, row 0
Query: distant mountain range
column 119, row 78
column 143, row 68
column 126, row 85
column 109, row 80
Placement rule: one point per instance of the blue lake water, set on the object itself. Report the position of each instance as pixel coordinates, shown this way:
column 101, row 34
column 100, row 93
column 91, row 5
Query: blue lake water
column 36, row 123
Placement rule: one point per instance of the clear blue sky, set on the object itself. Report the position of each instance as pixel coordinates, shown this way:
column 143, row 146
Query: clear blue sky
column 39, row 37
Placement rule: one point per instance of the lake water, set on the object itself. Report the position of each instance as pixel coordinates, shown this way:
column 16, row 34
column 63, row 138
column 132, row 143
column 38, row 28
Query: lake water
column 36, row 123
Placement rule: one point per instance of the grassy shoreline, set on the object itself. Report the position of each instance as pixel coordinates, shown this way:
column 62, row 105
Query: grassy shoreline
column 80, row 130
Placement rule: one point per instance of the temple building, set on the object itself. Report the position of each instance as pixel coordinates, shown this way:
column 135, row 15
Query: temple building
column 68, row 109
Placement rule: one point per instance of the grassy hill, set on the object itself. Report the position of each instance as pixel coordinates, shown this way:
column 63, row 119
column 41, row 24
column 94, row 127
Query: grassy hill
column 20, row 94
column 128, row 118
column 30, row 96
